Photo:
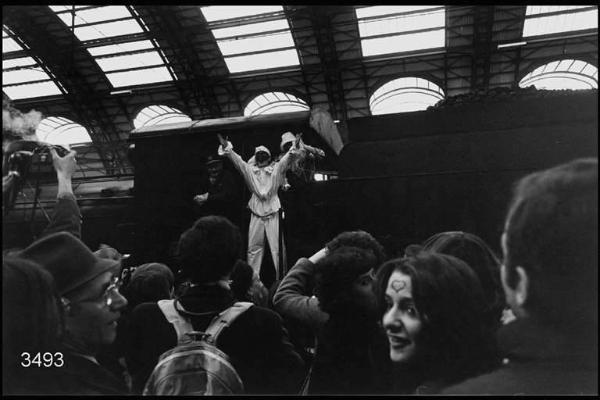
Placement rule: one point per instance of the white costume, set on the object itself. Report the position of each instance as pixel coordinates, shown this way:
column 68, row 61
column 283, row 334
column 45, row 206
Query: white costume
column 264, row 205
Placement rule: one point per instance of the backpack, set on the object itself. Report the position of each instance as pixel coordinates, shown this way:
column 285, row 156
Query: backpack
column 196, row 366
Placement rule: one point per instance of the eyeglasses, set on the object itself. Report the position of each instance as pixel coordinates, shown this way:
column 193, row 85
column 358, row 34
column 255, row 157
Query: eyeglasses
column 107, row 297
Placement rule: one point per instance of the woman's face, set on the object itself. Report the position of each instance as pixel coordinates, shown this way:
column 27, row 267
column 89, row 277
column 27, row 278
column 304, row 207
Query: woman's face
column 401, row 320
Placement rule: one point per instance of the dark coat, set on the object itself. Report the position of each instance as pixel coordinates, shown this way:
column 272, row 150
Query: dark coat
column 66, row 217
column 77, row 376
column 256, row 343
column 352, row 358
column 539, row 361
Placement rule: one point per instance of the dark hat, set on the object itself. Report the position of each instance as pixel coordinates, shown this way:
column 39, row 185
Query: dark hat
column 71, row 263
column 213, row 159
column 154, row 269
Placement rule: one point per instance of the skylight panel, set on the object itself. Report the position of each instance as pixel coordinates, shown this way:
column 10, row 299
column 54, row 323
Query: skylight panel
column 280, row 24
column 121, row 48
column 158, row 115
column 405, row 95
column 129, row 63
column 547, row 20
column 62, row 131
column 253, row 43
column 218, row 13
column 25, row 78
column 396, row 29
column 139, row 77
column 562, row 74
column 262, row 61
column 9, row 45
column 273, row 103
column 260, row 43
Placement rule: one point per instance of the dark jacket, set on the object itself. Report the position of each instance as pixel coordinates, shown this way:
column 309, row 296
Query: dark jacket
column 352, row 358
column 66, row 217
column 293, row 298
column 256, row 343
column 539, row 361
column 77, row 376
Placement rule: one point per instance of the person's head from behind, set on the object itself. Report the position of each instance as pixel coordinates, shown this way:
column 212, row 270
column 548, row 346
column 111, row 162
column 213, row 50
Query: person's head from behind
column 31, row 312
column 208, row 251
column 241, row 280
column 481, row 258
column 344, row 282
column 150, row 282
column 550, row 246
column 359, row 239
column 88, row 286
column 432, row 313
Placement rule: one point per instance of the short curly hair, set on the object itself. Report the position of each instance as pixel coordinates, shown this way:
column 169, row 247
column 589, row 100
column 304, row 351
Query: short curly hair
column 358, row 239
column 337, row 272
column 209, row 250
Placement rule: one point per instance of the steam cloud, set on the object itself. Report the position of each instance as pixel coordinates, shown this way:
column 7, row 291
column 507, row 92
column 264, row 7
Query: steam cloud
column 16, row 125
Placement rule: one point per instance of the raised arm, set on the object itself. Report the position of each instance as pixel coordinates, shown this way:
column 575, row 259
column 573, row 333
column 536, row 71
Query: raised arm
column 226, row 149
column 285, row 162
column 67, row 216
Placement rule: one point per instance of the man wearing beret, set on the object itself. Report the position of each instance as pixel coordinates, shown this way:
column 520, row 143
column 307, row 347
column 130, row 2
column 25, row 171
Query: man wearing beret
column 89, row 290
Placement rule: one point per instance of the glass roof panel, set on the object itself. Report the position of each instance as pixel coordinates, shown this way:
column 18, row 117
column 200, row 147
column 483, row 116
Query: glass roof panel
column 29, row 71
column 404, row 43
column 109, row 29
column 62, row 131
column 251, row 28
column 130, row 61
column 405, row 95
column 251, row 36
column 9, row 44
column 32, row 90
column 373, row 11
column 217, row 13
column 538, row 23
column 99, row 30
column 410, row 20
column 409, row 23
column 276, row 59
column 274, row 102
column 121, row 48
column 139, row 77
column 267, row 42
column 563, row 74
column 159, row 114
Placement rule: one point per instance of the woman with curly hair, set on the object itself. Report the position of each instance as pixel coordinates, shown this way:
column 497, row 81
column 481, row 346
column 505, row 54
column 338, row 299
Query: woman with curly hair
column 351, row 349
column 433, row 313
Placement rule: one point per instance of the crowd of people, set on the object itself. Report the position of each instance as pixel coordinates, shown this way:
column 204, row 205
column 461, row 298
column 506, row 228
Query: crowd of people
column 447, row 317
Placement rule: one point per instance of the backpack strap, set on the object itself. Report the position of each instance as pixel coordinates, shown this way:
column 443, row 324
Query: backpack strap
column 181, row 324
column 225, row 319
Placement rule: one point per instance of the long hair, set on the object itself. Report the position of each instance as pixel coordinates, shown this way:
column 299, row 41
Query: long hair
column 483, row 261
column 456, row 340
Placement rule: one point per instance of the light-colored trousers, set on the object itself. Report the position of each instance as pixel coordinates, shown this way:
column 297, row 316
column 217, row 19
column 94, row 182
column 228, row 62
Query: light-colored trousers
column 258, row 229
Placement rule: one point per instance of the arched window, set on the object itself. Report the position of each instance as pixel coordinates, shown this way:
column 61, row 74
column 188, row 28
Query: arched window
column 275, row 102
column 405, row 95
column 159, row 115
column 562, row 74
column 62, row 131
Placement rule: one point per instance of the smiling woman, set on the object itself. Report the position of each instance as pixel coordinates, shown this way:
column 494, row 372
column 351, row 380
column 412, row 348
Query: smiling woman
column 431, row 307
